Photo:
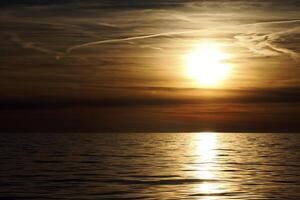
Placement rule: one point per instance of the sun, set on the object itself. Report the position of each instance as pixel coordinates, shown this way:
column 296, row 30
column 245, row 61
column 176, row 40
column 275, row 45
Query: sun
column 207, row 64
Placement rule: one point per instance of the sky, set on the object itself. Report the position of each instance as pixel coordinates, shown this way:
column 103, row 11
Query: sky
column 120, row 65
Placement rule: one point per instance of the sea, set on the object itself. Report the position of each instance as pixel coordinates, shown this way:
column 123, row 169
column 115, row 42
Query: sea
column 205, row 165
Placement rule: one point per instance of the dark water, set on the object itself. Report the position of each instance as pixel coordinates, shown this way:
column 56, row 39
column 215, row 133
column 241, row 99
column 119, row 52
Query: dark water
column 150, row 166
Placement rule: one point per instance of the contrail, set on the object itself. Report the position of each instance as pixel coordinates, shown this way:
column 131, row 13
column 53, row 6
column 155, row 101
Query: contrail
column 274, row 22
column 30, row 45
column 129, row 39
column 70, row 49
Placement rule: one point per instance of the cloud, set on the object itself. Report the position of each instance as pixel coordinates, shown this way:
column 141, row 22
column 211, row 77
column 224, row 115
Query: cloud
column 139, row 18
column 31, row 45
column 274, row 43
column 262, row 44
column 241, row 97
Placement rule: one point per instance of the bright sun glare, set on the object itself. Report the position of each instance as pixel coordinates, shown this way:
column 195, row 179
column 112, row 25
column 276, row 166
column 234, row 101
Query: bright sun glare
column 207, row 64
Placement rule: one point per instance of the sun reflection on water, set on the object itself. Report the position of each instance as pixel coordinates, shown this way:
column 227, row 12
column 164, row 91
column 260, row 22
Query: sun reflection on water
column 206, row 145
column 205, row 150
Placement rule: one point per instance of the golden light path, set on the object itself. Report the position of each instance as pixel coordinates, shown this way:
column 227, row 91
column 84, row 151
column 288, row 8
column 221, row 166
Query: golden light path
column 207, row 64
column 206, row 151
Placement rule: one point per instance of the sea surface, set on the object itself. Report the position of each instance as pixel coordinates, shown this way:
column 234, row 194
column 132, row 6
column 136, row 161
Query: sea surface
column 204, row 166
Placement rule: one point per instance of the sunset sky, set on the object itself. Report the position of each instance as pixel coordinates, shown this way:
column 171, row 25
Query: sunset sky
column 123, row 65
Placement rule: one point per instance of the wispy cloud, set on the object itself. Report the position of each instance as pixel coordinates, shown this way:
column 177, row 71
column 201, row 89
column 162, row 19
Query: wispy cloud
column 31, row 45
column 270, row 44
